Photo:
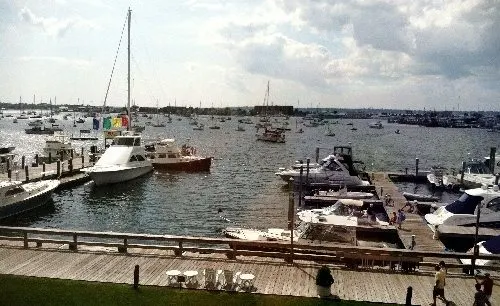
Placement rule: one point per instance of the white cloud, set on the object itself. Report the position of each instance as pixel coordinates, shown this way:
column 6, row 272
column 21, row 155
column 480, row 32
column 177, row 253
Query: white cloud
column 52, row 26
column 74, row 63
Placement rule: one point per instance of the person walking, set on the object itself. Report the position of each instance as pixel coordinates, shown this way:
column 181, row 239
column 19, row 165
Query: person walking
column 400, row 218
column 487, row 284
column 480, row 298
column 438, row 290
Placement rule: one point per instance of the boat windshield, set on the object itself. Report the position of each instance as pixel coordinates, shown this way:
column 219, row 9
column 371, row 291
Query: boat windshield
column 466, row 204
column 126, row 141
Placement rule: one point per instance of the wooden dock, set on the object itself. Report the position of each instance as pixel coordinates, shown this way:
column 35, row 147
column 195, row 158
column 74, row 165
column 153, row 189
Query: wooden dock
column 414, row 224
column 272, row 276
column 445, row 231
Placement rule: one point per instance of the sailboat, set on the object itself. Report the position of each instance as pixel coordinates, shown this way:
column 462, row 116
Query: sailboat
column 126, row 158
column 329, row 132
column 158, row 124
column 269, row 134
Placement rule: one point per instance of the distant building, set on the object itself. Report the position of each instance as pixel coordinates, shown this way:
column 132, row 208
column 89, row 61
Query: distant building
column 274, row 110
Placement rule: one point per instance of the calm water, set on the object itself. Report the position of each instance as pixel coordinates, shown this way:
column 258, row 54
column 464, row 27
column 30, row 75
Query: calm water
column 242, row 181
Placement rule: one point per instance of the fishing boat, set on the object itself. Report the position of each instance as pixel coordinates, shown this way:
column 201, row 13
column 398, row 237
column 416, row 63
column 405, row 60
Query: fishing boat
column 125, row 159
column 271, row 135
column 463, row 211
column 16, row 197
column 166, row 155
column 337, row 169
column 58, row 147
column 376, row 125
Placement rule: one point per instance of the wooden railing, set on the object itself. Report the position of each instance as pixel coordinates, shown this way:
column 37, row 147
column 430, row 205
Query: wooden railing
column 351, row 256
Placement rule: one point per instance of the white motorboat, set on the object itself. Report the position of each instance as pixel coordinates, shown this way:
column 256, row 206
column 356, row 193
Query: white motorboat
column 488, row 247
column 16, row 197
column 166, row 155
column 344, row 194
column 463, row 211
column 345, row 212
column 376, row 125
column 272, row 135
column 271, row 234
column 435, row 177
column 124, row 160
column 337, row 168
column 476, row 174
column 58, row 147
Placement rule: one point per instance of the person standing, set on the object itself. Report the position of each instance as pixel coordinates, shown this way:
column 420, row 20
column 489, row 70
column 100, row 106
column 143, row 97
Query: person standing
column 400, row 218
column 487, row 284
column 439, row 285
column 480, row 298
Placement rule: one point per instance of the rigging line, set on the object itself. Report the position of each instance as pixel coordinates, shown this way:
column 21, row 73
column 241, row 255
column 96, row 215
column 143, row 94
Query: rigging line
column 140, row 72
column 114, row 63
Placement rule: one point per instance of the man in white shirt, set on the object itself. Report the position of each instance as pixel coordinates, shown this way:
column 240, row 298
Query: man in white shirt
column 438, row 290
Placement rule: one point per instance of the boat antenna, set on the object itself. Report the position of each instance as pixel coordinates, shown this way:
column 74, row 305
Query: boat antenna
column 128, row 75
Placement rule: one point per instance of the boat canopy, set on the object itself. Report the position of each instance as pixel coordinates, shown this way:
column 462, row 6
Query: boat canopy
column 492, row 245
column 466, row 204
column 115, row 155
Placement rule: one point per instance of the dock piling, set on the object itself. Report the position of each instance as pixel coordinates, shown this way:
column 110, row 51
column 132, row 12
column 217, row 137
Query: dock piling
column 9, row 174
column 307, row 171
column 26, row 173
column 58, row 168
column 36, row 160
column 300, row 185
column 50, row 157
column 493, row 151
column 136, row 276
column 409, row 293
column 317, row 154
column 23, row 160
column 290, row 203
column 416, row 166
column 462, row 173
column 70, row 164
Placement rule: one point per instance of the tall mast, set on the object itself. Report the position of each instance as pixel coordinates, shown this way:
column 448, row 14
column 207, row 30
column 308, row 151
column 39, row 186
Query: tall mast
column 128, row 76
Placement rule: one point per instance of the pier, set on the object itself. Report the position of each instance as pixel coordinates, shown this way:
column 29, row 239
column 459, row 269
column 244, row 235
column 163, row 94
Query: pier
column 112, row 257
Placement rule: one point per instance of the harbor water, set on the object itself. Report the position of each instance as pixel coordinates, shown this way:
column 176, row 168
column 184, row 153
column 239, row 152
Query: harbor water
column 241, row 183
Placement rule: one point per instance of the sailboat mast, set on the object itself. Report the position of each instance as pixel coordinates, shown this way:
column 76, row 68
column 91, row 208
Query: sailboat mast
column 128, row 75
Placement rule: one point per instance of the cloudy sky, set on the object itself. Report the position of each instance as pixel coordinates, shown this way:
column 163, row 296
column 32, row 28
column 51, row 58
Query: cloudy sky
column 432, row 54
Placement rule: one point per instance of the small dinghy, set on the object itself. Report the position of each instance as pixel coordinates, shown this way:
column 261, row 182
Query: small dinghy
column 420, row 197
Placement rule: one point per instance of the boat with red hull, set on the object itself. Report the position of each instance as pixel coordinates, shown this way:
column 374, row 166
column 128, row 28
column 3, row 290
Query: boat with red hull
column 166, row 155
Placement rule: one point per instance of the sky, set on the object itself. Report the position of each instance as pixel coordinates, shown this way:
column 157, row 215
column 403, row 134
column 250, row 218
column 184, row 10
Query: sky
column 394, row 54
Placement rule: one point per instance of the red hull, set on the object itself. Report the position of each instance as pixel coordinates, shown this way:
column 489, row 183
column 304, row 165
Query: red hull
column 190, row 166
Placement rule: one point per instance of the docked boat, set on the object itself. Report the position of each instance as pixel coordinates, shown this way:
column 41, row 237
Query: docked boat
column 124, row 160
column 344, row 194
column 166, row 155
column 42, row 130
column 463, row 211
column 345, row 212
column 435, row 177
column 271, row 234
column 336, row 169
column 488, row 247
column 16, row 197
column 199, row 127
column 58, row 147
column 420, row 197
column 272, row 135
column 376, row 125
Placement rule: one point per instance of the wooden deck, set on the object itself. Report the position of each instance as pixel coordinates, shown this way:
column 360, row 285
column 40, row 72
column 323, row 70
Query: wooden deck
column 414, row 224
column 272, row 276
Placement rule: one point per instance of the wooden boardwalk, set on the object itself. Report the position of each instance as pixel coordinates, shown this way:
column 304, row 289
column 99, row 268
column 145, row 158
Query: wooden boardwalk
column 272, row 276
column 414, row 224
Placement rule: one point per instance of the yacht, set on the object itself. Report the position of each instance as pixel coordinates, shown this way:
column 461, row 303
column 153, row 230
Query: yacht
column 337, row 169
column 376, row 125
column 476, row 174
column 124, row 160
column 272, row 135
column 463, row 211
column 166, row 155
column 58, row 147
column 16, row 197
column 345, row 212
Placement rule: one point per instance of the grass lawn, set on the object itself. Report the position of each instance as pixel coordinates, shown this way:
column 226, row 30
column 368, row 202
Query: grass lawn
column 17, row 290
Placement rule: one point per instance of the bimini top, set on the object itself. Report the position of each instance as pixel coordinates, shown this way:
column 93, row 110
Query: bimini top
column 492, row 245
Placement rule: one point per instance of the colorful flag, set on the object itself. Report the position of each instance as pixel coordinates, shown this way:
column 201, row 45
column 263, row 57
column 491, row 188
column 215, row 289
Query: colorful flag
column 124, row 120
column 117, row 122
column 96, row 122
column 106, row 124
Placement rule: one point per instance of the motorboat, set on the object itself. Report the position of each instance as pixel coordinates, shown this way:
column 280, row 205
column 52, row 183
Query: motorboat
column 463, row 211
column 124, row 160
column 272, row 135
column 271, row 234
column 376, row 125
column 476, row 173
column 42, row 130
column 436, row 177
column 345, row 212
column 335, row 169
column 344, row 194
column 58, row 147
column 16, row 197
column 199, row 127
column 488, row 247
column 166, row 155
column 420, row 197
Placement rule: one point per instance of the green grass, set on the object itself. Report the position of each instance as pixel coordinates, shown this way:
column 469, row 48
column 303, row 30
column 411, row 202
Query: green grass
column 17, row 290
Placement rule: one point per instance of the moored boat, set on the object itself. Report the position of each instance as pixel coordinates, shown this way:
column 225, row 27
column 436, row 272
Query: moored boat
column 16, row 197
column 166, row 155
column 272, row 135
